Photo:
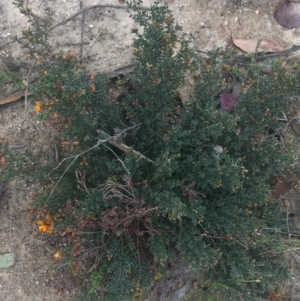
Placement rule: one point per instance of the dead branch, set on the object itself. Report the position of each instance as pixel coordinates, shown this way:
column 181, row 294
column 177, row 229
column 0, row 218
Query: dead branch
column 90, row 45
column 89, row 8
column 27, row 81
column 124, row 147
column 118, row 159
column 122, row 71
column 243, row 59
column 80, row 176
column 57, row 154
column 82, row 29
column 16, row 146
column 10, row 42
column 244, row 245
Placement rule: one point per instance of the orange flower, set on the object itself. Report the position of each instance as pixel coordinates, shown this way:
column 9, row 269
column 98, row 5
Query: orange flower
column 44, row 227
column 3, row 161
column 76, row 266
column 274, row 297
column 57, row 255
column 48, row 219
column 68, row 231
column 38, row 106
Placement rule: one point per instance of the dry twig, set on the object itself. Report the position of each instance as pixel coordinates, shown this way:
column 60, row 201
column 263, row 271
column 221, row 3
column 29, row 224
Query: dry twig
column 127, row 149
column 89, row 8
column 27, row 81
column 110, row 139
column 82, row 28
column 90, row 46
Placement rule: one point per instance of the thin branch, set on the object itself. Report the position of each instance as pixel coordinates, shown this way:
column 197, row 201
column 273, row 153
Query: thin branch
column 245, row 246
column 90, row 46
column 10, row 42
column 243, row 59
column 288, row 227
column 27, row 81
column 35, row 296
column 56, row 149
column 64, row 21
column 82, row 29
column 89, row 8
column 75, row 44
column 124, row 147
column 118, row 159
column 75, row 157
column 90, row 56
column 16, row 146
column 122, row 70
column 80, row 176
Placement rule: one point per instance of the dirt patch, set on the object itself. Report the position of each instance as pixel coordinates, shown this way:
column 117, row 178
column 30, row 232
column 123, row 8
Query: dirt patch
column 29, row 279
column 107, row 39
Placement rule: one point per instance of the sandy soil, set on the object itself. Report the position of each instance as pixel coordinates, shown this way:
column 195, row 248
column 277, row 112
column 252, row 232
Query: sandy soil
column 107, row 41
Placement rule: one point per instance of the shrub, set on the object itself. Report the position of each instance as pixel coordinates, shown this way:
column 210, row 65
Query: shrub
column 154, row 185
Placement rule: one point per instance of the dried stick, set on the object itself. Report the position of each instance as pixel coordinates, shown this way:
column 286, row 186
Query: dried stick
column 89, row 8
column 244, row 245
column 90, row 46
column 82, row 28
column 288, row 226
column 27, row 81
column 122, row 70
column 64, row 21
column 75, row 157
column 80, row 176
column 243, row 59
column 118, row 159
column 10, row 42
column 36, row 297
column 16, row 146
column 56, row 149
column 124, row 147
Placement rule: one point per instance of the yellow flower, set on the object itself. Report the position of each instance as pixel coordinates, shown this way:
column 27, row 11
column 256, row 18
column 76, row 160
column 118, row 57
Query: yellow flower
column 57, row 255
column 38, row 106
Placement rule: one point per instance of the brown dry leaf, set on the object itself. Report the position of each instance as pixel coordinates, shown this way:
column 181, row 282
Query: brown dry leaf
column 256, row 46
column 83, row 162
column 76, row 142
column 13, row 97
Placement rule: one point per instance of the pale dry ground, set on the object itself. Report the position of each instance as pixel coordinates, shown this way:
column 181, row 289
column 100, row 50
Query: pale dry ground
column 107, row 39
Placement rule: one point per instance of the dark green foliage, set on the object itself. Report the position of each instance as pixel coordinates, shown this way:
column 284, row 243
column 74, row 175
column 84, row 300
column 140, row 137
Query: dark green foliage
column 184, row 203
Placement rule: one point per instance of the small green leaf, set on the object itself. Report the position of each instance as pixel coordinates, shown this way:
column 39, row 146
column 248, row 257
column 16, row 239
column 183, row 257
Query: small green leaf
column 7, row 260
